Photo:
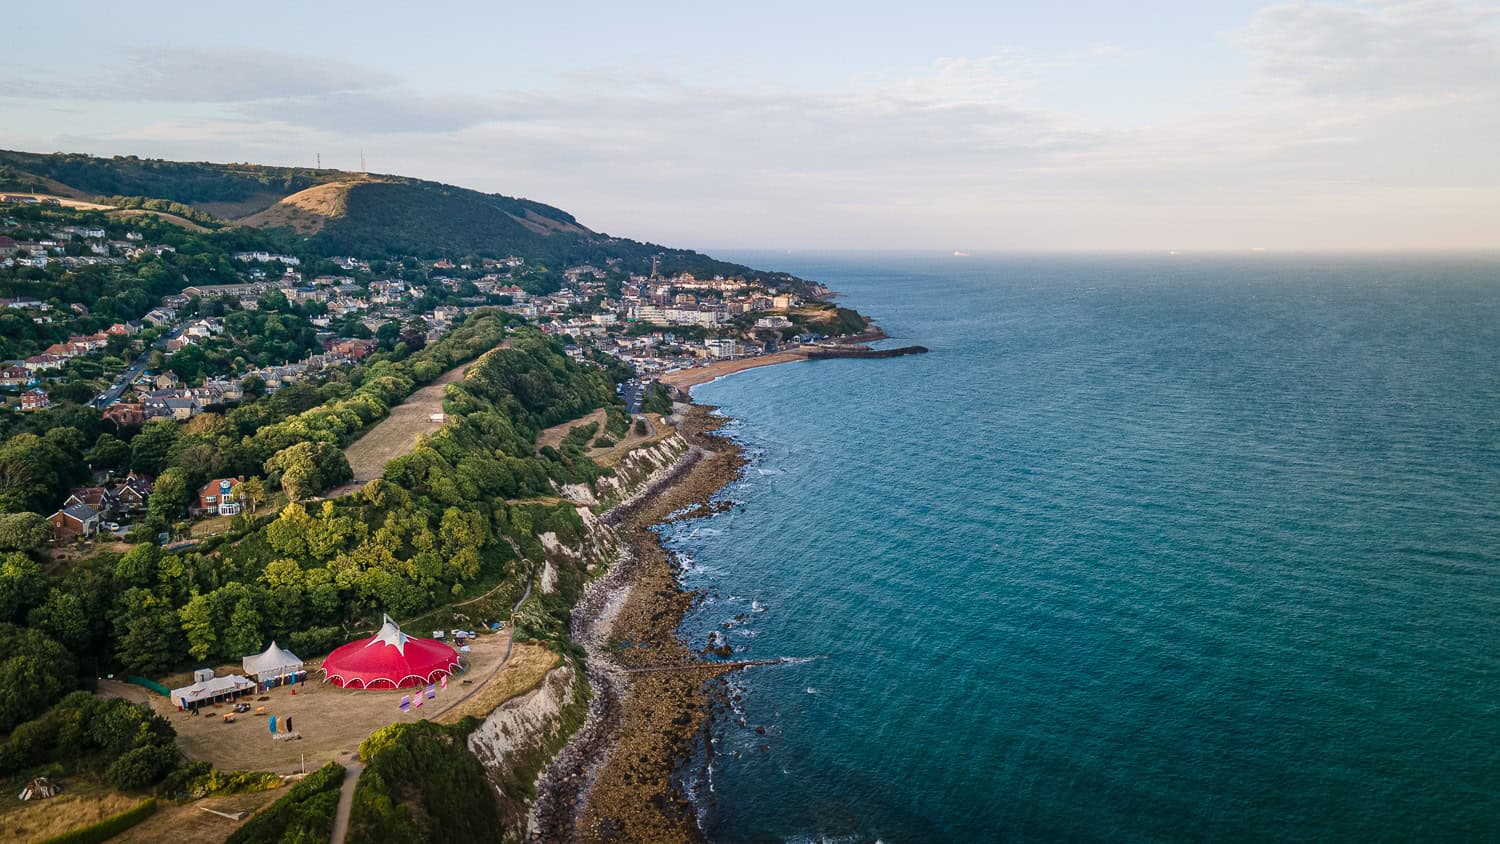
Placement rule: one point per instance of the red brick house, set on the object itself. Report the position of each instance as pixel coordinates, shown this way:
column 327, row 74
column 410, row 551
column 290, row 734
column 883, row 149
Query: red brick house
column 219, row 497
column 35, row 399
column 133, row 492
column 73, row 521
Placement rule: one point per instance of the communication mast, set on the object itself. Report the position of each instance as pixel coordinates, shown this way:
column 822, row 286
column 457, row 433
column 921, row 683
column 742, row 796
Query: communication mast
column 362, row 167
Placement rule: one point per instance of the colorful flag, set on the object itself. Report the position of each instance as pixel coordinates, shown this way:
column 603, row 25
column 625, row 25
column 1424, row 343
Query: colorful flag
column 406, row 703
column 419, row 700
column 431, row 691
column 444, row 682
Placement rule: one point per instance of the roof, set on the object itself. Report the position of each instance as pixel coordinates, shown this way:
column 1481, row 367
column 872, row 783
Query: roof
column 272, row 662
column 79, row 512
column 389, row 659
column 211, row 689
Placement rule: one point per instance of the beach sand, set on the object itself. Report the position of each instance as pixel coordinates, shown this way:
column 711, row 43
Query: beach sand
column 686, row 379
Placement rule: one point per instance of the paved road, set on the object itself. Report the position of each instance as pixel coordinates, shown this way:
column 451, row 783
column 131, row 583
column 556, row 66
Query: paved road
column 132, row 372
column 632, row 392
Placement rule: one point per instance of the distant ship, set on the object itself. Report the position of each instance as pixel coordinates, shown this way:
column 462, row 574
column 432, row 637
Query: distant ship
column 958, row 254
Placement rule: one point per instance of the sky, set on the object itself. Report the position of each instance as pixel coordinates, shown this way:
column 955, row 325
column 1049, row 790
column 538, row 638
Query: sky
column 1090, row 126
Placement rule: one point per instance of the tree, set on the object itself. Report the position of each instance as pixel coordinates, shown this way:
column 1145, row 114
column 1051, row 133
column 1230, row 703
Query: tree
column 138, row 566
column 243, row 634
column 200, row 627
column 23, row 532
column 62, row 617
column 149, row 448
column 34, row 672
column 288, row 534
column 109, row 452
column 141, row 766
column 169, row 498
column 22, row 586
column 308, row 468
column 253, row 387
column 35, row 471
column 147, row 641
column 254, row 492
column 387, row 335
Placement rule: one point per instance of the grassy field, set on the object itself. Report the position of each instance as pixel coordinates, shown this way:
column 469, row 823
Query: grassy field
column 82, row 802
column 396, row 434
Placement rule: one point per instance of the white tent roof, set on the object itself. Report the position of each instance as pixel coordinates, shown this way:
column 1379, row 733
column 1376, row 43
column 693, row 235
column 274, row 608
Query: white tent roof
column 272, row 662
column 209, row 689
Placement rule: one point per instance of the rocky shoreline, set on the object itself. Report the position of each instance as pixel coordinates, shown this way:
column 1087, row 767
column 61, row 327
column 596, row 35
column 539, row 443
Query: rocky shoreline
column 651, row 697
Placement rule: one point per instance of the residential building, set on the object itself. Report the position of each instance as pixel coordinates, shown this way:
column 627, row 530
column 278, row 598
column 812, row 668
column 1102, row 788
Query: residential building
column 219, row 496
column 74, row 521
column 35, row 399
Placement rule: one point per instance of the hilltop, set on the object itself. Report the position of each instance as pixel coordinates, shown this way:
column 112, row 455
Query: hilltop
column 360, row 214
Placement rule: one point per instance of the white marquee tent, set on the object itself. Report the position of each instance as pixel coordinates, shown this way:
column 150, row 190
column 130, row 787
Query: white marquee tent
column 206, row 691
column 271, row 664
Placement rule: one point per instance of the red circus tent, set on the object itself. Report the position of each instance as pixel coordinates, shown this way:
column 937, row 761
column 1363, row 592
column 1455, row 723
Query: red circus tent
column 388, row 660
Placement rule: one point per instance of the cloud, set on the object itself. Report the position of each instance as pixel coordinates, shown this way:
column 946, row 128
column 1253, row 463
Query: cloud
column 1378, row 118
column 185, row 75
column 1378, row 49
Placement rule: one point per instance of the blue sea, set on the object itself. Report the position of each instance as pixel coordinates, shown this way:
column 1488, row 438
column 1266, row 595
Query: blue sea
column 1145, row 549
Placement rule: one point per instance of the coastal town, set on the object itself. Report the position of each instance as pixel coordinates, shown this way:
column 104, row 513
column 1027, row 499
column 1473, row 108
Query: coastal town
column 205, row 347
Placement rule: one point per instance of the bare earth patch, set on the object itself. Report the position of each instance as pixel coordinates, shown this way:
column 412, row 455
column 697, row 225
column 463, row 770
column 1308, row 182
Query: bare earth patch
column 306, row 211
column 557, row 433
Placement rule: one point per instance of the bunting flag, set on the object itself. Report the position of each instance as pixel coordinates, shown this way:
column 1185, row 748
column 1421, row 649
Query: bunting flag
column 444, row 682
column 406, row 703
column 419, row 700
column 431, row 692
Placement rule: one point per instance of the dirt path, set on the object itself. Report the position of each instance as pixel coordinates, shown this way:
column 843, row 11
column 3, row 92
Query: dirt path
column 396, row 434
column 557, row 433
column 346, row 801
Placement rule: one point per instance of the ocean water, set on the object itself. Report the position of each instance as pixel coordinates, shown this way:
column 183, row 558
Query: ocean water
column 1146, row 549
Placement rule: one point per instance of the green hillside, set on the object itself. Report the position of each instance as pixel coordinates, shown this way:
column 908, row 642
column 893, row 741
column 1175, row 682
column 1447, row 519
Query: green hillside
column 365, row 215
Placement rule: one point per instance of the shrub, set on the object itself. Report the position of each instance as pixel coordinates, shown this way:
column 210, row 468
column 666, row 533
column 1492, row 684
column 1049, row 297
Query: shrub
column 199, row 779
column 305, row 814
column 141, row 766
